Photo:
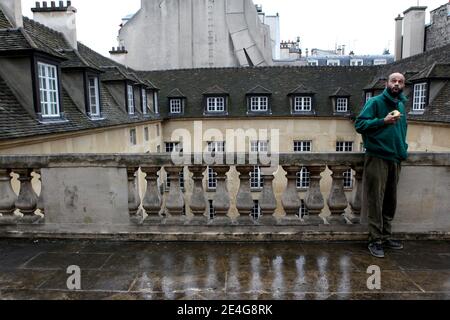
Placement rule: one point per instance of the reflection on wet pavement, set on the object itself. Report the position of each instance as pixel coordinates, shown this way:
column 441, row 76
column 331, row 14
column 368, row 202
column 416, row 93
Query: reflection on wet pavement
column 112, row 270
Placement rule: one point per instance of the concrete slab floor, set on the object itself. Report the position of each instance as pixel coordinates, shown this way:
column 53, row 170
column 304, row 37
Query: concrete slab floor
column 37, row 270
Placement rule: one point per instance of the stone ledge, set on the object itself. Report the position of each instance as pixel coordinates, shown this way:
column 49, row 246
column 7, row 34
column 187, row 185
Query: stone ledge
column 207, row 233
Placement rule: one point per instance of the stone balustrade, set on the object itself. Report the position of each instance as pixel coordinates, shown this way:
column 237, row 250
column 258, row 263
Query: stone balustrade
column 104, row 190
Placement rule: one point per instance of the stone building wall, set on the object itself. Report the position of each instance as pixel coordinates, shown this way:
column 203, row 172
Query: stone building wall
column 438, row 32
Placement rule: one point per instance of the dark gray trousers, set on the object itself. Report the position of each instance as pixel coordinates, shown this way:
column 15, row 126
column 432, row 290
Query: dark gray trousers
column 380, row 182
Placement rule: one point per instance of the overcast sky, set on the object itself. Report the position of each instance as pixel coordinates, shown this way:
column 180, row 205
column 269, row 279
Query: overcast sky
column 364, row 26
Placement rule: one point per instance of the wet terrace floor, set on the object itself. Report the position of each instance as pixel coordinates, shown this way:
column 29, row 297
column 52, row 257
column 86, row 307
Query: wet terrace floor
column 217, row 271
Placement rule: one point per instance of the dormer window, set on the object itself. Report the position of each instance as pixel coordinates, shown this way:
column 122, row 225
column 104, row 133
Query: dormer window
column 177, row 102
column 356, row 62
column 144, row 101
column 155, row 102
column 259, row 104
column 94, row 97
column 301, row 100
column 379, row 62
column 176, row 106
column 49, row 90
column 420, row 97
column 215, row 104
column 215, row 101
column 302, row 104
column 341, row 101
column 258, row 100
column 341, row 104
column 333, row 62
column 130, row 100
column 368, row 96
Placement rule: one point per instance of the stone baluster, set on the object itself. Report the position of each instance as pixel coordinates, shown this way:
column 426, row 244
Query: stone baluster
column 337, row 201
column 268, row 201
column 133, row 195
column 356, row 202
column 27, row 200
column 198, row 203
column 152, row 201
column 40, row 202
column 175, row 198
column 7, row 196
column 244, row 199
column 222, row 197
column 290, row 200
column 314, row 198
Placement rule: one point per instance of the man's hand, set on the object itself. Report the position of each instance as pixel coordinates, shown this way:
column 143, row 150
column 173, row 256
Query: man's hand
column 391, row 119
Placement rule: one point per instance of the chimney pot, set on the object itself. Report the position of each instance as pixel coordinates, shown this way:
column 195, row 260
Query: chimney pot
column 44, row 4
column 61, row 4
column 53, row 4
column 69, row 3
column 38, row 4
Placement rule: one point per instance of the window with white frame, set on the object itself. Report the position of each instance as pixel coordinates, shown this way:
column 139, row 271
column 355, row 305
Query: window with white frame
column 341, row 104
column 212, row 179
column 344, row 146
column 215, row 104
column 155, row 102
column 48, row 90
column 378, row 62
column 302, row 104
column 369, row 95
column 259, row 103
column 256, row 210
column 144, row 101
column 176, row 106
column 313, row 63
column 302, row 146
column 333, row 62
column 303, row 178
column 356, row 62
column 348, row 179
column 259, row 146
column 256, row 180
column 130, row 94
column 174, row 146
column 216, row 146
column 94, row 97
column 133, row 138
column 420, row 97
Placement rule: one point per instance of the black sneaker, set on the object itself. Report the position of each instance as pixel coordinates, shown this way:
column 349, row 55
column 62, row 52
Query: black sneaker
column 376, row 249
column 394, row 245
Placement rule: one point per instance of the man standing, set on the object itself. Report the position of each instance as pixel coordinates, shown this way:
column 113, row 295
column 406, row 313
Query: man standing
column 383, row 126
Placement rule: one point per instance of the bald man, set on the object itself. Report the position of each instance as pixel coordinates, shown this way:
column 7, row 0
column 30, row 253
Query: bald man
column 383, row 127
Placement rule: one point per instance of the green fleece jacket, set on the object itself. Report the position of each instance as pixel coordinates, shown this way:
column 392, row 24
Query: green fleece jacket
column 386, row 141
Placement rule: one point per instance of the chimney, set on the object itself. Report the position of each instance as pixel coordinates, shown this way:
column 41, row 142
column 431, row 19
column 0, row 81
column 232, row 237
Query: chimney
column 413, row 31
column 13, row 11
column 119, row 54
column 59, row 17
column 398, row 37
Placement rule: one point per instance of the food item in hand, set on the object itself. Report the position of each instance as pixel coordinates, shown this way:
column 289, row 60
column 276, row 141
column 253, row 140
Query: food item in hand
column 396, row 114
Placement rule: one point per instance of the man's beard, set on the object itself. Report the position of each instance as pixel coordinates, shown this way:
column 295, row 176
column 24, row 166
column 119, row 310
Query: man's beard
column 395, row 94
